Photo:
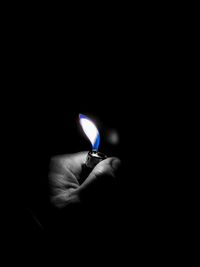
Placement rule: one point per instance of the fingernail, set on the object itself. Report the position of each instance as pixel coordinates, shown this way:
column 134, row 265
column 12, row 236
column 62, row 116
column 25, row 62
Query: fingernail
column 116, row 164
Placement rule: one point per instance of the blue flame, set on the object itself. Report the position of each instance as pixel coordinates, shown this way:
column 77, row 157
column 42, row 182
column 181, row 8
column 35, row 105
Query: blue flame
column 96, row 141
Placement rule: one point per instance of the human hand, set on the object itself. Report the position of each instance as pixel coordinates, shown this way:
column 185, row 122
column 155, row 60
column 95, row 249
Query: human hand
column 65, row 179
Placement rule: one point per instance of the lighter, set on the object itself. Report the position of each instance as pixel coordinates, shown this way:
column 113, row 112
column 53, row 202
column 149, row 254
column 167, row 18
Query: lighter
column 92, row 133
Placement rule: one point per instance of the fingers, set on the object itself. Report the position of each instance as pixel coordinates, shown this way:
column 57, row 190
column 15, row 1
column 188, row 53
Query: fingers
column 103, row 172
column 63, row 178
column 70, row 164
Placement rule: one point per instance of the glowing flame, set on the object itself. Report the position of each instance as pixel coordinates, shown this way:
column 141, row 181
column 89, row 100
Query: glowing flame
column 90, row 130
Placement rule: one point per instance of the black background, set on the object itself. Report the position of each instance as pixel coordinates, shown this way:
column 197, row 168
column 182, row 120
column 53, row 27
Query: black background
column 121, row 79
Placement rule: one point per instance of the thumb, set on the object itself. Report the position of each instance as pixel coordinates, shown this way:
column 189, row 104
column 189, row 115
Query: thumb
column 105, row 171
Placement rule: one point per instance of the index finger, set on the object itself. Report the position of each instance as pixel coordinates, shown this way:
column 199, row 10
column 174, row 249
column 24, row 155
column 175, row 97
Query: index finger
column 74, row 162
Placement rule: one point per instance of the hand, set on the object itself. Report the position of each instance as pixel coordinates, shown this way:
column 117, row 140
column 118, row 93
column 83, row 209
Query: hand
column 65, row 179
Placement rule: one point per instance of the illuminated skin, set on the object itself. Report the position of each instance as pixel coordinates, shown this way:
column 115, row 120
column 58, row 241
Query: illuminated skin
column 65, row 174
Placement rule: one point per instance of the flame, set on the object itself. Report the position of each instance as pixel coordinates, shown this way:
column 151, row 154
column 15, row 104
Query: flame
column 90, row 130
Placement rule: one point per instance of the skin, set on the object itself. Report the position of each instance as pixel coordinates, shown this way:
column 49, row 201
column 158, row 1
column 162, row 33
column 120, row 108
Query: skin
column 65, row 179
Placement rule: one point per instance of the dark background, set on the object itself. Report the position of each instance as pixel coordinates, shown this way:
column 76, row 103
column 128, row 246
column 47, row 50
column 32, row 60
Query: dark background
column 121, row 78
column 46, row 124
